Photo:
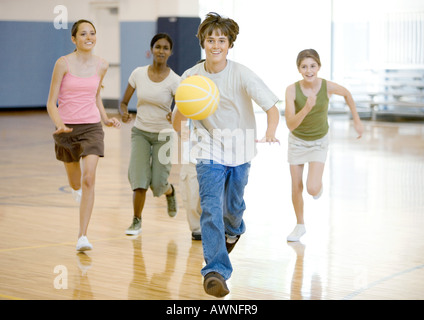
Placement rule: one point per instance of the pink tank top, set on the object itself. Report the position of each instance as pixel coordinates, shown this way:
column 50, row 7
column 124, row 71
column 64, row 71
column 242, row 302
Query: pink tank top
column 77, row 98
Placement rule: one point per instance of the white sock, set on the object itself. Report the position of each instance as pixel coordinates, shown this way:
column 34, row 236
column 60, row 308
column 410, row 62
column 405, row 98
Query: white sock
column 231, row 239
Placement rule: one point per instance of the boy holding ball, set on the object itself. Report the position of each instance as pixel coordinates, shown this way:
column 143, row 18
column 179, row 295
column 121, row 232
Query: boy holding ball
column 225, row 146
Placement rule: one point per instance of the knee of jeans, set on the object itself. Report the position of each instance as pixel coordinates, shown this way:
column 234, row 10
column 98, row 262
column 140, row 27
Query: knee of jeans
column 211, row 214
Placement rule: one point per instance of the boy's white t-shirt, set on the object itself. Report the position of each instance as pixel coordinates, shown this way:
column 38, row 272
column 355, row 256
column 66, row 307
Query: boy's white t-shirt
column 228, row 136
column 154, row 99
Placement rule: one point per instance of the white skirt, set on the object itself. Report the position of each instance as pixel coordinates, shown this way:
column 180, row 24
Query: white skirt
column 302, row 151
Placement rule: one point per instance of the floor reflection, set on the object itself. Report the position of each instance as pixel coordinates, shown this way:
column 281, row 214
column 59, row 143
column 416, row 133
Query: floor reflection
column 141, row 287
column 298, row 287
column 82, row 290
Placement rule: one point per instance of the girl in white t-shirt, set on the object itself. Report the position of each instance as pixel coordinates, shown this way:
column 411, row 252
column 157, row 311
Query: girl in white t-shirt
column 156, row 85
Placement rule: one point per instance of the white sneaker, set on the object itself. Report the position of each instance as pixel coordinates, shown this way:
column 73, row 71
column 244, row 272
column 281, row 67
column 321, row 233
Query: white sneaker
column 297, row 233
column 84, row 262
column 83, row 244
column 316, row 197
column 77, row 195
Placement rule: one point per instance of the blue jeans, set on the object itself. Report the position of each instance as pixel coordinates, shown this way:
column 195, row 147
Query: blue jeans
column 221, row 190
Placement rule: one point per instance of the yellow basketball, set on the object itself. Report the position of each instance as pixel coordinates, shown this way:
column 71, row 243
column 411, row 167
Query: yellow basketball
column 197, row 97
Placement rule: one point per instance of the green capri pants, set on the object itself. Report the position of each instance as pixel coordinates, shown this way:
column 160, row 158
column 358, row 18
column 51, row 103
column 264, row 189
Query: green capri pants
column 149, row 164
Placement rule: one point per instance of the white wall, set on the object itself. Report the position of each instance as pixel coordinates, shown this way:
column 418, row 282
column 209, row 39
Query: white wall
column 361, row 37
column 148, row 10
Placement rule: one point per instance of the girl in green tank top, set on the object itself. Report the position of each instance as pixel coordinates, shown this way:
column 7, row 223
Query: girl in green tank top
column 315, row 125
column 306, row 116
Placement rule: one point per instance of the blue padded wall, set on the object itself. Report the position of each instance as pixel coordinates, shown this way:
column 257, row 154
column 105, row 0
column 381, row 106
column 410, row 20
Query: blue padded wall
column 28, row 53
column 186, row 51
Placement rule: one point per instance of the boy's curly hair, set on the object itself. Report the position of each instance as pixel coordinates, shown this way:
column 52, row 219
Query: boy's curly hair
column 214, row 21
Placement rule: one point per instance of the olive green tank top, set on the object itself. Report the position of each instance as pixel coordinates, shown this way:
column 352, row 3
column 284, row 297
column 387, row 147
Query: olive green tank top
column 315, row 125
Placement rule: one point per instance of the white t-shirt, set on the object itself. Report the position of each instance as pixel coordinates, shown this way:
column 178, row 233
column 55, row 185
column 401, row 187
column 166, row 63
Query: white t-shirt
column 154, row 99
column 228, row 136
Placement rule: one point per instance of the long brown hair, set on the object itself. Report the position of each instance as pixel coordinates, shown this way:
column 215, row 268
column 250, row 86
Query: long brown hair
column 75, row 26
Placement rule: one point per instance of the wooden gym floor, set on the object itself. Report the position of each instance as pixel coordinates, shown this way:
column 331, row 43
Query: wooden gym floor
column 364, row 236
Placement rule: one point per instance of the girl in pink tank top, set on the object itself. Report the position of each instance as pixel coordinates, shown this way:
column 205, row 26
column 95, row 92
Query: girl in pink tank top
column 75, row 85
column 77, row 97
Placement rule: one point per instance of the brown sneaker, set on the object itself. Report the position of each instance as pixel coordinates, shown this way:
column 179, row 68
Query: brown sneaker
column 215, row 285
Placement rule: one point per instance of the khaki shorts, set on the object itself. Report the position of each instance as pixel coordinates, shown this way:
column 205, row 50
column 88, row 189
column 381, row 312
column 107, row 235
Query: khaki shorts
column 84, row 140
column 146, row 168
column 302, row 151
